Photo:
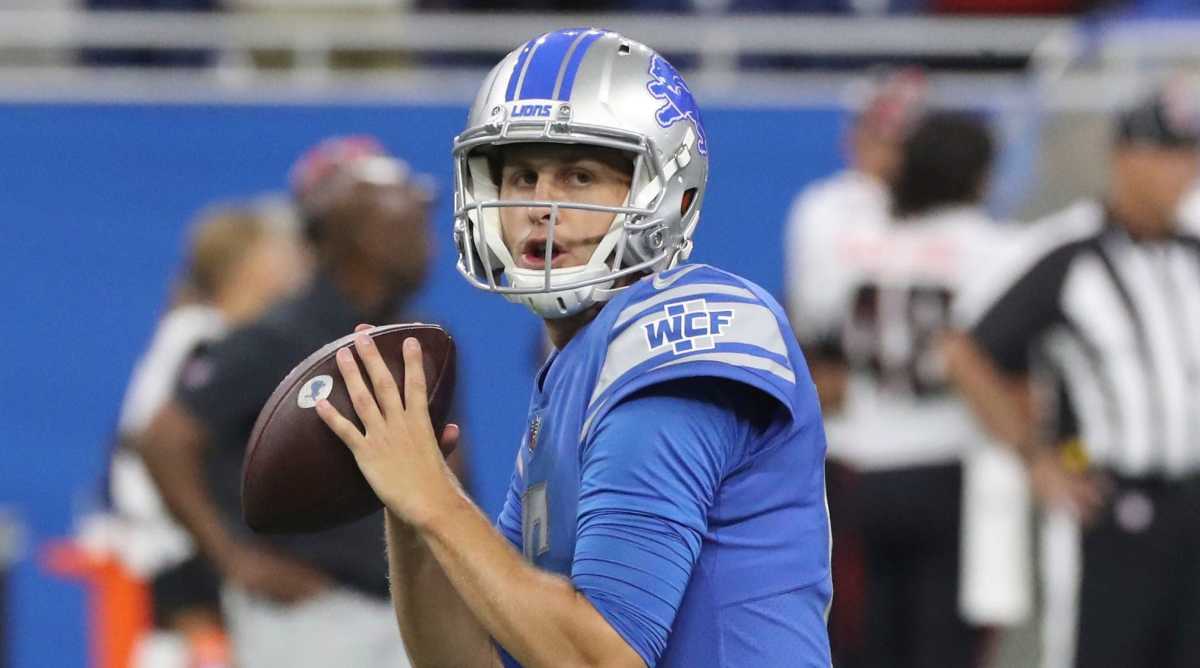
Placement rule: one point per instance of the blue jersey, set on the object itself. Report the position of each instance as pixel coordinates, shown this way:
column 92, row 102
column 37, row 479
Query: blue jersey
column 673, row 469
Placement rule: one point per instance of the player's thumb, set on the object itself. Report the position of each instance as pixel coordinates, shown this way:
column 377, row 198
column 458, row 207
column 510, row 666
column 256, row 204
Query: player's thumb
column 449, row 440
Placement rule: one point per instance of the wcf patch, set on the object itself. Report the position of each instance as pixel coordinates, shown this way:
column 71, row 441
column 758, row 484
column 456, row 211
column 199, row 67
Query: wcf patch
column 688, row 326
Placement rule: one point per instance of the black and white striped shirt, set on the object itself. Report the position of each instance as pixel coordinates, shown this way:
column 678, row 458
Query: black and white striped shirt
column 1119, row 321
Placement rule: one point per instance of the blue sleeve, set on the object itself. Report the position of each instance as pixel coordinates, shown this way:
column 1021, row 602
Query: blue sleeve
column 509, row 524
column 649, row 475
column 509, row 520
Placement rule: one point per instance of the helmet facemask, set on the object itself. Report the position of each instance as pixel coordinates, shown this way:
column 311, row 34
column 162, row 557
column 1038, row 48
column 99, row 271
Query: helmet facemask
column 635, row 243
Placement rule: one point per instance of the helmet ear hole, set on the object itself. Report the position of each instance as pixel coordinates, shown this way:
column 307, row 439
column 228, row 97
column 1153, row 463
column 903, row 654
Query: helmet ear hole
column 685, row 203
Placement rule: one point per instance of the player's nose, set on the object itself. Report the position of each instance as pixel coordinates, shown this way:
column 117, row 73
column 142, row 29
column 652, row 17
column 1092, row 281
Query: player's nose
column 538, row 215
column 544, row 191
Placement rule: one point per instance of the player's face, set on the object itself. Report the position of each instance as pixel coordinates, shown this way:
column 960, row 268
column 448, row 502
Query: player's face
column 875, row 154
column 564, row 173
column 393, row 231
column 1176, row 173
column 1161, row 176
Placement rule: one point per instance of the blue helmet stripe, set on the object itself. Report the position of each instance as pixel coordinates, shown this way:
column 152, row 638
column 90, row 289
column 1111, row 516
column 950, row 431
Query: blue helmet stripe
column 544, row 63
column 515, row 77
column 579, row 50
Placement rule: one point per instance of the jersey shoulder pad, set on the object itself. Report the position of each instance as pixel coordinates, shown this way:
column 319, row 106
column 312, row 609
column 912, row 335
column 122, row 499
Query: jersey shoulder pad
column 695, row 321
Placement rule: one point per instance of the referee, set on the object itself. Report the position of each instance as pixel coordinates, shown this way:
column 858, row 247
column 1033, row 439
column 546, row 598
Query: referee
column 1106, row 295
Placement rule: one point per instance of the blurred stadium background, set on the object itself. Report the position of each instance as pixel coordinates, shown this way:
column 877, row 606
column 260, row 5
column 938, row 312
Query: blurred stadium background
column 120, row 119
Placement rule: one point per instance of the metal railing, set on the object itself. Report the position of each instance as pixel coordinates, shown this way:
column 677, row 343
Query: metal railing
column 294, row 55
column 39, row 50
column 709, row 36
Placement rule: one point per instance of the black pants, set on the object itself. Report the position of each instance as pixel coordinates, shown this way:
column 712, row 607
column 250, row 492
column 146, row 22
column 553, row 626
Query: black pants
column 901, row 610
column 1139, row 596
column 189, row 586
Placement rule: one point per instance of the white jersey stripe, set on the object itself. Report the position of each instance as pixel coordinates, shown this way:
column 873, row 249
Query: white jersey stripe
column 1097, row 412
column 680, row 292
column 1092, row 301
column 1184, row 277
column 738, row 359
column 1142, row 266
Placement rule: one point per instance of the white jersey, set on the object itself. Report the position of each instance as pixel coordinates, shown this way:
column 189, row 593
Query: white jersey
column 145, row 536
column 830, row 223
column 883, row 291
column 179, row 333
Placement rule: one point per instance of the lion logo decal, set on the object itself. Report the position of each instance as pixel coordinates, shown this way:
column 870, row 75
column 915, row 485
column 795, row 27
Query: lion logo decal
column 678, row 103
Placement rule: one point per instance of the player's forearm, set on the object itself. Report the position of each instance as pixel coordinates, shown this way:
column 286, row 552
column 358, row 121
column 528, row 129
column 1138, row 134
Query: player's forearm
column 538, row 617
column 438, row 627
column 993, row 398
column 172, row 448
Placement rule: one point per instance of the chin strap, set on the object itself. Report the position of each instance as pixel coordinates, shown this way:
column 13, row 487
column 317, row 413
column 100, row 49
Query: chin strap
column 555, row 304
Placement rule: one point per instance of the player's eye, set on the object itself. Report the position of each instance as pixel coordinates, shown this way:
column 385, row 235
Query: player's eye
column 523, row 178
column 580, row 177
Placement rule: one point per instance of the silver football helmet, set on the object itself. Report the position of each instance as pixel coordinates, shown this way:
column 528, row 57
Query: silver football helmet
column 582, row 86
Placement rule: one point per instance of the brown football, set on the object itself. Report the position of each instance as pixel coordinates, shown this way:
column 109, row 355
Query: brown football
column 298, row 476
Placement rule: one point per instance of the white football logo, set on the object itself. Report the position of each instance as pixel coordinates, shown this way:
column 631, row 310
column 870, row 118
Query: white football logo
column 316, row 389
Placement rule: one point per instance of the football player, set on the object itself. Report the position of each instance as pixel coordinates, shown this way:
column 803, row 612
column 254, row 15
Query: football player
column 667, row 505
column 833, row 219
column 904, row 434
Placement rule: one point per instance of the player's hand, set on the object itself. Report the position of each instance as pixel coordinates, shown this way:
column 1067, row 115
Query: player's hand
column 398, row 454
column 1057, row 486
column 448, row 441
column 267, row 574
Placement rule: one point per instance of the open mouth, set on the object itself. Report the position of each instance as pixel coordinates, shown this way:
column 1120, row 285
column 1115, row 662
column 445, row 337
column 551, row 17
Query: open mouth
column 533, row 254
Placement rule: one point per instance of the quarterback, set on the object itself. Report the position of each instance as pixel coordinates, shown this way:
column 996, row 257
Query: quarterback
column 667, row 506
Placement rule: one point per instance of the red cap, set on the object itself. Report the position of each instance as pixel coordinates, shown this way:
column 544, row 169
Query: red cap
column 360, row 156
column 329, row 157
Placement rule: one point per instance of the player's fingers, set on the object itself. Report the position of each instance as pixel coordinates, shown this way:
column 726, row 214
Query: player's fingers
column 1086, row 496
column 1086, row 513
column 387, row 395
column 339, row 425
column 415, row 399
column 362, row 327
column 360, row 394
column 449, row 440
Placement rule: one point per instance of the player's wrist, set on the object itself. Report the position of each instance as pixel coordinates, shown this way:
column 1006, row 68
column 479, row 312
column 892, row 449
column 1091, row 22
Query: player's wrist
column 435, row 513
column 1038, row 457
column 401, row 534
column 223, row 555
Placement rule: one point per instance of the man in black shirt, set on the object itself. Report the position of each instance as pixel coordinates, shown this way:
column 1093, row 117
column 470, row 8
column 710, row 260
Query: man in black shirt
column 318, row 599
column 1104, row 294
